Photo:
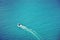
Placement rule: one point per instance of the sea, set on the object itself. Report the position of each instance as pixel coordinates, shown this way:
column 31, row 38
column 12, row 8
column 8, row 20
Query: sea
column 41, row 16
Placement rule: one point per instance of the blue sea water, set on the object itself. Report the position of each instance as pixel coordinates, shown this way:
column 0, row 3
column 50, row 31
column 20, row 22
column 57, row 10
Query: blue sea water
column 42, row 16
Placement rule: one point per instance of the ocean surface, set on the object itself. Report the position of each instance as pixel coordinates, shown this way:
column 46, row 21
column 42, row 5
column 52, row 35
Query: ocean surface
column 42, row 16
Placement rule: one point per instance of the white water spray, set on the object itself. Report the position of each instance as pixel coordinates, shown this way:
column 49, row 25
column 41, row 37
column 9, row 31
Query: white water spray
column 27, row 29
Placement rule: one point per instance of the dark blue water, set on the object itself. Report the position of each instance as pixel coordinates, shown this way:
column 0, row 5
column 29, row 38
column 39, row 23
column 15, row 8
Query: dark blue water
column 42, row 16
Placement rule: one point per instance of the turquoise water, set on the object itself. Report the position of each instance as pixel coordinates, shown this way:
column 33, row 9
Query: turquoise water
column 42, row 16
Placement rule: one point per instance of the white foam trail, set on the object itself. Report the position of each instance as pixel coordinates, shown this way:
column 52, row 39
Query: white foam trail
column 27, row 29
